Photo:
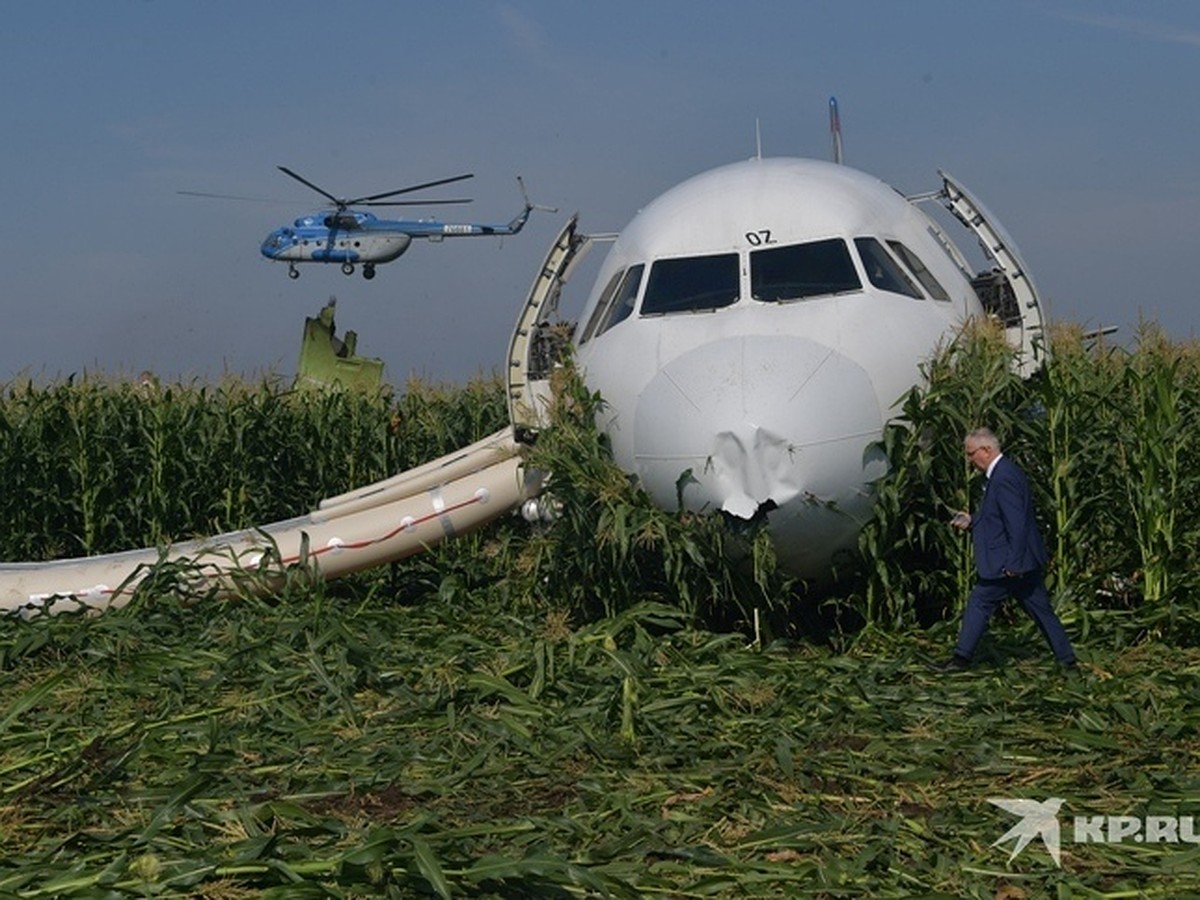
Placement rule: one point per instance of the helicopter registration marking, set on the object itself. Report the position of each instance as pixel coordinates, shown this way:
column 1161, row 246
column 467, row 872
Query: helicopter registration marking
column 456, row 229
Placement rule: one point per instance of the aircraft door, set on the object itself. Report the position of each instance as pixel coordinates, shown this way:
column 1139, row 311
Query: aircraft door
column 1007, row 291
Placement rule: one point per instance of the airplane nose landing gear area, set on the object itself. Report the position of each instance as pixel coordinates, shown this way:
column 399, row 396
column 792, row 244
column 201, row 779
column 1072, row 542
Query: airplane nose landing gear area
column 752, row 419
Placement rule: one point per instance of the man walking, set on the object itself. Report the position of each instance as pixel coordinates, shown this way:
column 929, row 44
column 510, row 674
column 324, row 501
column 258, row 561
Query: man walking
column 1009, row 554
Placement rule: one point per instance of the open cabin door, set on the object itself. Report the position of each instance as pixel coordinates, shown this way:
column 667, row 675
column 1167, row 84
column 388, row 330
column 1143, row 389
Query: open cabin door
column 537, row 344
column 1007, row 291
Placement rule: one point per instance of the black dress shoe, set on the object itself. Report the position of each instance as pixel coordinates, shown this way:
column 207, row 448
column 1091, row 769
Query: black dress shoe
column 955, row 663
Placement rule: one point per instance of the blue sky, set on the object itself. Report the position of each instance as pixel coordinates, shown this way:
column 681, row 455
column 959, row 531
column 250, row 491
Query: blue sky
column 1074, row 120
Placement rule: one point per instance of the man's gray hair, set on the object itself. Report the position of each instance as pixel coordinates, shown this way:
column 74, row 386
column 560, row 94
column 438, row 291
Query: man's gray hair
column 984, row 437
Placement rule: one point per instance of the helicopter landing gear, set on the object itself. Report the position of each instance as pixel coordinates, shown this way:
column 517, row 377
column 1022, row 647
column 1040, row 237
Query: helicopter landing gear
column 293, row 273
column 368, row 271
column 347, row 268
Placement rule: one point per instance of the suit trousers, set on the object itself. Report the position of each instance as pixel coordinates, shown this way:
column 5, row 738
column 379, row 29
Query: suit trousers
column 1030, row 590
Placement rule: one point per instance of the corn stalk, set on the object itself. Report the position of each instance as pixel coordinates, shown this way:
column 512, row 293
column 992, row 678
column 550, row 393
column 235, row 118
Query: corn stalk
column 1161, row 405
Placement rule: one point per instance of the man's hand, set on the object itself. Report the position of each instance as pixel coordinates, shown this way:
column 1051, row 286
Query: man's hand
column 961, row 520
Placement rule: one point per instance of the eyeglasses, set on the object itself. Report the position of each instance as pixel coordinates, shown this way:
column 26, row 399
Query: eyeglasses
column 971, row 453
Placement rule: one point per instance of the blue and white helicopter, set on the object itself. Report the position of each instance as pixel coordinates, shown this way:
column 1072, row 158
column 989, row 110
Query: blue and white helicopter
column 352, row 237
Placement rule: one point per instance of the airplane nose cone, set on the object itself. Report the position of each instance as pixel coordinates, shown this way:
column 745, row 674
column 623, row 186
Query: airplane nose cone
column 775, row 423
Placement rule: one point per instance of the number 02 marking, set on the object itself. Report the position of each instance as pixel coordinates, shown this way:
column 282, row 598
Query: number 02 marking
column 759, row 238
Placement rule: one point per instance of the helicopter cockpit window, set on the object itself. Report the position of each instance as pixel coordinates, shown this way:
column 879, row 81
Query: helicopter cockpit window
column 932, row 286
column 797, row 271
column 277, row 240
column 624, row 299
column 691, row 284
column 883, row 271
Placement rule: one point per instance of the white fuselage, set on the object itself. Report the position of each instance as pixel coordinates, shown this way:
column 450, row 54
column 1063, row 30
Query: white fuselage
column 768, row 378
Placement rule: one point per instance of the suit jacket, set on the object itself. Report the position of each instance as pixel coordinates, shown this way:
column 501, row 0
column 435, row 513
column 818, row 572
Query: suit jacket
column 1004, row 531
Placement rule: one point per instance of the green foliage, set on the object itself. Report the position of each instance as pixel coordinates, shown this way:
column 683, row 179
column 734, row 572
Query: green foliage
column 917, row 567
column 1106, row 433
column 1080, row 392
column 537, row 711
column 1103, row 432
column 94, row 467
column 326, row 742
column 1162, row 397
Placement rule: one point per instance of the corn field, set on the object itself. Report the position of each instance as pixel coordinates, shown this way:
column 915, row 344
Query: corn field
column 1108, row 436
column 626, row 702
column 92, row 467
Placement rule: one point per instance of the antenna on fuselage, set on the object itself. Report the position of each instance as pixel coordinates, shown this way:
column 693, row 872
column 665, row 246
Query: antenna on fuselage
column 757, row 140
column 835, row 130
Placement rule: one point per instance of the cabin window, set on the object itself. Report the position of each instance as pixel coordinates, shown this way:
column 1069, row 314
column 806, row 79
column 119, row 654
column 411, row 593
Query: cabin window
column 883, row 271
column 798, row 271
column 932, row 286
column 691, row 284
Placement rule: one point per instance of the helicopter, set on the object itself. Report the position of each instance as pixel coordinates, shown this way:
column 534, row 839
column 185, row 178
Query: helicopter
column 353, row 237
column 349, row 236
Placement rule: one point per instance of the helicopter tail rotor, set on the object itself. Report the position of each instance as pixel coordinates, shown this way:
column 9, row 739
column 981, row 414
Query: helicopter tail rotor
column 529, row 204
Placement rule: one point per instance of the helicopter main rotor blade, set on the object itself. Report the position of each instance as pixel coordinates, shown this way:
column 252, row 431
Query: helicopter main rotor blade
column 207, row 195
column 410, row 202
column 415, row 187
column 340, row 204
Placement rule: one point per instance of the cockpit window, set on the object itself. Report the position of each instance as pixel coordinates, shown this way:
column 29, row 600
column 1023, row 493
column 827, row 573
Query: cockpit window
column 616, row 302
column 691, row 284
column 602, row 306
column 802, row 270
column 624, row 299
column 932, row 286
column 883, row 271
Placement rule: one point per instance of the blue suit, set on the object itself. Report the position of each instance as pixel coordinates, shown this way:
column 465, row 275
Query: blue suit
column 1009, row 558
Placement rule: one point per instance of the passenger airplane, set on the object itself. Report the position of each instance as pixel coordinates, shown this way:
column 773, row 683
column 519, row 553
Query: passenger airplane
column 752, row 329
